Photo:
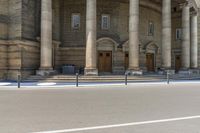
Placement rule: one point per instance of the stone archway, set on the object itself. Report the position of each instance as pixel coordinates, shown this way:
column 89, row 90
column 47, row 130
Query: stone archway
column 106, row 44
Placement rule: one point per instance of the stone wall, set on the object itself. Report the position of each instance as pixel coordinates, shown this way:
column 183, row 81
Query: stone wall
column 15, row 15
column 119, row 14
column 176, row 44
column 4, row 7
column 30, row 58
column 29, row 14
column 75, row 56
column 18, row 57
column 4, row 19
column 3, row 27
column 119, row 21
column 56, row 19
column 69, row 37
column 3, row 60
column 19, row 19
column 199, row 40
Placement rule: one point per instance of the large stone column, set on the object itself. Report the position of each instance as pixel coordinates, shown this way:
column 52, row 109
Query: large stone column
column 166, row 34
column 194, row 42
column 185, row 37
column 46, row 38
column 91, row 63
column 134, row 38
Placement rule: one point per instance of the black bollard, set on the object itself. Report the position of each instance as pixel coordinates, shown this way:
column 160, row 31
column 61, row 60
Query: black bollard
column 18, row 80
column 77, row 79
column 126, row 79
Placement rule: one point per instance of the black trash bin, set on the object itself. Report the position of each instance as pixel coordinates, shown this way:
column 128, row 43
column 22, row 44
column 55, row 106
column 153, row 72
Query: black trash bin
column 68, row 69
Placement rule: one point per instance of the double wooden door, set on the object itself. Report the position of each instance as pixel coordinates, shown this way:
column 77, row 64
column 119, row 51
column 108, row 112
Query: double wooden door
column 105, row 61
column 150, row 62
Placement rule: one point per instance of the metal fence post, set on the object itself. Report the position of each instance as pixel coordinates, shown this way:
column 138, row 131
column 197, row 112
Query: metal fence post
column 126, row 79
column 77, row 79
column 18, row 80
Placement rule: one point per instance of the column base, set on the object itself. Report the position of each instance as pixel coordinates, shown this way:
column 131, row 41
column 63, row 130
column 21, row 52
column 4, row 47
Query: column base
column 134, row 72
column 189, row 71
column 46, row 72
column 91, row 72
column 195, row 71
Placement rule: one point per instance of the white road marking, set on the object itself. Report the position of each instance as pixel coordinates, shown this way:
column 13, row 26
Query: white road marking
column 120, row 125
column 46, row 84
column 4, row 84
column 52, row 85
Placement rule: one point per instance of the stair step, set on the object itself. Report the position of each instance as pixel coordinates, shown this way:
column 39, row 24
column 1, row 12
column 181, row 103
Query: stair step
column 64, row 78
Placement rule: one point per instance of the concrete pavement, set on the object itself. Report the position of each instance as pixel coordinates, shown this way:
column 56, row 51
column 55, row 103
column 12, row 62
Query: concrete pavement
column 43, row 109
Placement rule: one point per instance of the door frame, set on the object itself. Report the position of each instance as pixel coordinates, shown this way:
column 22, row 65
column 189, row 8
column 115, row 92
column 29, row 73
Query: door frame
column 154, row 60
column 126, row 53
column 175, row 55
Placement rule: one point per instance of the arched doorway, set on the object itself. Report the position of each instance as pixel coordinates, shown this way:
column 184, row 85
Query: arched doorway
column 105, row 51
column 151, row 50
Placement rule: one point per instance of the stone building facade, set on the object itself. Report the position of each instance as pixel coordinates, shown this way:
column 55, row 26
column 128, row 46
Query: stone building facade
column 99, row 36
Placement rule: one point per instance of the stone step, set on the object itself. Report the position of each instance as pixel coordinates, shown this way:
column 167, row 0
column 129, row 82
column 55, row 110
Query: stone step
column 104, row 78
column 93, row 78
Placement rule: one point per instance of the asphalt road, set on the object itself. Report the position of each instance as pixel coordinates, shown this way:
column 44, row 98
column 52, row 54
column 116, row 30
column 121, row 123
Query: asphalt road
column 90, row 109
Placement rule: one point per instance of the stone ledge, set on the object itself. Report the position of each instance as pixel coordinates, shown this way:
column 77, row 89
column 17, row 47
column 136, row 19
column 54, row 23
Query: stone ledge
column 20, row 42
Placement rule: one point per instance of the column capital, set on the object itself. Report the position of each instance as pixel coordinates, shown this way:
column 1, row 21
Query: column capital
column 194, row 13
column 185, row 4
column 190, row 4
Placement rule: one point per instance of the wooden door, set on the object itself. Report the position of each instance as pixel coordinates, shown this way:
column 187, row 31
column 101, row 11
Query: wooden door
column 105, row 61
column 101, row 62
column 126, row 61
column 177, row 62
column 150, row 62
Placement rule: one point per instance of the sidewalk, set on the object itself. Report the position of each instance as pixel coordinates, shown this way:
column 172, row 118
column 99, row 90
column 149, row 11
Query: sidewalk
column 85, row 84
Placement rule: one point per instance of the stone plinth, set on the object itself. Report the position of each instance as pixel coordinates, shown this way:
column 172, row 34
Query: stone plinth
column 91, row 72
column 134, row 72
column 46, row 72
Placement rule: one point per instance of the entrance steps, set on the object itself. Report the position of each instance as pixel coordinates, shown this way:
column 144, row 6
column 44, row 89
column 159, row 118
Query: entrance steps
column 109, row 78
